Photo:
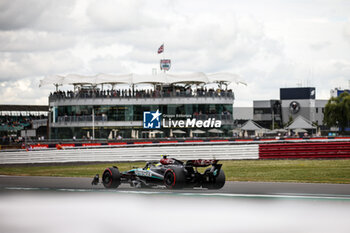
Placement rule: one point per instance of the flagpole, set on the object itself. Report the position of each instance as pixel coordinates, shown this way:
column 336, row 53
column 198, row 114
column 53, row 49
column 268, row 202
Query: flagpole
column 164, row 55
column 161, row 50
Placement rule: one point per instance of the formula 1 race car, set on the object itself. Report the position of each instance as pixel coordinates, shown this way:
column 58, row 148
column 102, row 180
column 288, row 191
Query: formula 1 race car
column 172, row 173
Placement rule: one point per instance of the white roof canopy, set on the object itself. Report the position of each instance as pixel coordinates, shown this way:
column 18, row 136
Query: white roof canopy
column 187, row 78
column 161, row 78
column 113, row 79
column 225, row 78
column 301, row 123
column 152, row 79
column 251, row 125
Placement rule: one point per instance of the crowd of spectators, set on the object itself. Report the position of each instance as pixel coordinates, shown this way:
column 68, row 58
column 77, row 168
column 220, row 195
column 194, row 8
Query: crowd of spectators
column 146, row 93
column 10, row 139
column 10, row 125
column 14, row 121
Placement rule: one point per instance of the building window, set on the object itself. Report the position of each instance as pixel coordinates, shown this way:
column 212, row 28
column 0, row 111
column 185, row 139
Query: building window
column 262, row 111
column 316, row 110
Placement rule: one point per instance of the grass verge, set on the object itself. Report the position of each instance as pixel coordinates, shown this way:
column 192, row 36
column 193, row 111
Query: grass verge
column 306, row 171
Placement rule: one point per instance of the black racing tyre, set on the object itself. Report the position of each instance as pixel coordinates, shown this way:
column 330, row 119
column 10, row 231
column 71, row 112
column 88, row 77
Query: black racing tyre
column 215, row 182
column 175, row 178
column 111, row 178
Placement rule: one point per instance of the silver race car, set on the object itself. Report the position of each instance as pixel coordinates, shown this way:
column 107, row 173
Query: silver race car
column 168, row 172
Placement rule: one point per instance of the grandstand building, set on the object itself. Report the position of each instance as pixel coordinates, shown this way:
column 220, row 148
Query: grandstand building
column 293, row 102
column 337, row 91
column 113, row 106
column 16, row 118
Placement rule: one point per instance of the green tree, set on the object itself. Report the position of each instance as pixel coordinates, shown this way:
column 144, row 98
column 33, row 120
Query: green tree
column 337, row 111
column 290, row 120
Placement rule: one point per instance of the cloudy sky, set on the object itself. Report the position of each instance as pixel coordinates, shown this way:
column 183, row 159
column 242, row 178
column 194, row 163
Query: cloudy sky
column 271, row 44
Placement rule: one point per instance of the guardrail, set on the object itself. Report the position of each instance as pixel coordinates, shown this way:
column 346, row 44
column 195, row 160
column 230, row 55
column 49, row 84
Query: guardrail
column 175, row 141
column 304, row 150
column 140, row 153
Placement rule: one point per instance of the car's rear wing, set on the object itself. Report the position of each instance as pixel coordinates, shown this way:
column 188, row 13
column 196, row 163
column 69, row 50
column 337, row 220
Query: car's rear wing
column 166, row 161
column 193, row 163
column 202, row 162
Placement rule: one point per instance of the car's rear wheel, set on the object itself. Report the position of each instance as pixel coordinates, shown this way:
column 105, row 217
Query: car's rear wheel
column 215, row 181
column 111, row 177
column 174, row 178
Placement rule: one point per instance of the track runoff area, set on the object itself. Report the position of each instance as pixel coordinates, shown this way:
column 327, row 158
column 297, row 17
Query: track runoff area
column 53, row 204
column 322, row 148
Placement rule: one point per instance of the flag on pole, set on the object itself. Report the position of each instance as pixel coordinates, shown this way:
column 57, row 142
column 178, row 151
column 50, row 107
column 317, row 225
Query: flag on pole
column 161, row 49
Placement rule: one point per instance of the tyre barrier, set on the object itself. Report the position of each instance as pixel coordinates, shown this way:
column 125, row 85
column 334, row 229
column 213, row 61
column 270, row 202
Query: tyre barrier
column 304, row 150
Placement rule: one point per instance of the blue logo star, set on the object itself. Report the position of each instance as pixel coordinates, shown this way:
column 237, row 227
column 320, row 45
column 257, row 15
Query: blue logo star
column 151, row 120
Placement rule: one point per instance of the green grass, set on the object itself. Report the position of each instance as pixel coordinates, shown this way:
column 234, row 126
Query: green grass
column 88, row 170
column 307, row 171
column 313, row 171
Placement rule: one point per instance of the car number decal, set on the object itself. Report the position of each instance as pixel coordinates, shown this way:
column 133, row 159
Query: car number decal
column 143, row 173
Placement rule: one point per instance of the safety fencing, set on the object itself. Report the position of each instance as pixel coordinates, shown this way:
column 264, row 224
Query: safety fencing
column 218, row 150
column 140, row 153
column 175, row 141
column 304, row 150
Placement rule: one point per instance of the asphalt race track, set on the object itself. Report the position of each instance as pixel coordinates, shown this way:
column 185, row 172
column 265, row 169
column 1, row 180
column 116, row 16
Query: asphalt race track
column 238, row 188
column 55, row 205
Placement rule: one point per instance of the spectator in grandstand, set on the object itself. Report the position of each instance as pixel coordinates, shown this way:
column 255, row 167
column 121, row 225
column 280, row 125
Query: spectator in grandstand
column 177, row 91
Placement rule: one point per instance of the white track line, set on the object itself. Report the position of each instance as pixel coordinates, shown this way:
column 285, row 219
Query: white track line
column 281, row 196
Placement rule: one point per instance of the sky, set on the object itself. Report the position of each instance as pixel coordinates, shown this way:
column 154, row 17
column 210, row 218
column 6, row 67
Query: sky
column 270, row 44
